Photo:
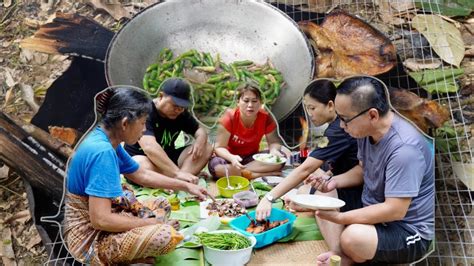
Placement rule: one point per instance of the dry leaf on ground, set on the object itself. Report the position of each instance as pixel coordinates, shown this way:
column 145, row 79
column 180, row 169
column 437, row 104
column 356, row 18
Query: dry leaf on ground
column 34, row 240
column 416, row 64
column 7, row 248
column 29, row 96
column 6, row 206
column 8, row 74
column 444, row 37
column 20, row 217
column 402, row 5
column 4, row 172
column 115, row 10
column 7, row 3
column 8, row 99
column 388, row 14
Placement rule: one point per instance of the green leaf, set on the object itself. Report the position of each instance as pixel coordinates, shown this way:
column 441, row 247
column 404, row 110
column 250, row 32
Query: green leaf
column 445, row 39
column 438, row 80
column 190, row 203
column 182, row 257
column 304, row 229
column 450, row 8
column 186, row 214
column 261, row 186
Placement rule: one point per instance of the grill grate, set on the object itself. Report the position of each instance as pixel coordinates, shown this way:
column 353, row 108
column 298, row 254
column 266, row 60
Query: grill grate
column 454, row 215
column 454, row 220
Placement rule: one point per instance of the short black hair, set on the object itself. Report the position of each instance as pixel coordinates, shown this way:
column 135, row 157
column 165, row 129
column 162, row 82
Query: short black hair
column 322, row 90
column 365, row 92
column 129, row 102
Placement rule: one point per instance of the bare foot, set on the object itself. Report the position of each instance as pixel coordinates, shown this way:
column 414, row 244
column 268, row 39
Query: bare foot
column 174, row 223
column 324, row 258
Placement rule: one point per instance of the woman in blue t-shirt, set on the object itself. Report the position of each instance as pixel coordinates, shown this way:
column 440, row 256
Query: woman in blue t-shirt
column 96, row 230
column 336, row 152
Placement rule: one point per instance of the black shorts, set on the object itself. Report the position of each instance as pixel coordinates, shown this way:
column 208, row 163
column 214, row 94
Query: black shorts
column 398, row 243
column 174, row 154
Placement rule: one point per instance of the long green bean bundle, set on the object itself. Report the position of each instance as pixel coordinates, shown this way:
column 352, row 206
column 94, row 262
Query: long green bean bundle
column 216, row 82
column 224, row 241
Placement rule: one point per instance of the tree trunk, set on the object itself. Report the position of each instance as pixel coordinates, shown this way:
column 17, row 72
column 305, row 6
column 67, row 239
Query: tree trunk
column 30, row 159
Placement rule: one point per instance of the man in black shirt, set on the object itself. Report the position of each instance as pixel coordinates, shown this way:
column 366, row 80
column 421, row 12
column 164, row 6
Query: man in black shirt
column 156, row 149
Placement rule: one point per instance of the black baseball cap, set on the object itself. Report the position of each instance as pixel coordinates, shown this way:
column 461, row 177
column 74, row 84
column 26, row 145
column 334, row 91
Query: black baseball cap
column 179, row 90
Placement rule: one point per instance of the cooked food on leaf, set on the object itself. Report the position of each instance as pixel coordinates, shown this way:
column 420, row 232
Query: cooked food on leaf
column 227, row 208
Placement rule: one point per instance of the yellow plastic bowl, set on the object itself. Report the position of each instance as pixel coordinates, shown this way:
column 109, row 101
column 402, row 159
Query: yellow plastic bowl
column 235, row 181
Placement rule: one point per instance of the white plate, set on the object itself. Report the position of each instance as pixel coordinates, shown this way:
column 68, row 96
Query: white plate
column 268, row 158
column 204, row 213
column 317, row 202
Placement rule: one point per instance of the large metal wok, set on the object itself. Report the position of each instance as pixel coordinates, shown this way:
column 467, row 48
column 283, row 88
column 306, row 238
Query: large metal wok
column 237, row 30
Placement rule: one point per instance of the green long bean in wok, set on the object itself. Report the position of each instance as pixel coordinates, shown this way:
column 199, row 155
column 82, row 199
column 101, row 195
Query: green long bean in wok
column 214, row 89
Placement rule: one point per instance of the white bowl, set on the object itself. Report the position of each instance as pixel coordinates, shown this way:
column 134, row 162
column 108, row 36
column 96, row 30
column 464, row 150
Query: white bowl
column 229, row 257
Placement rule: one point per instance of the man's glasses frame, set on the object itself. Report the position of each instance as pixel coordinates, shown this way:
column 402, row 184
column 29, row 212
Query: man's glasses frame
column 347, row 121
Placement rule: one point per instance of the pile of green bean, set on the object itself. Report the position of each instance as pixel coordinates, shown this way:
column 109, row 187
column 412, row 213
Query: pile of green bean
column 224, row 241
column 218, row 91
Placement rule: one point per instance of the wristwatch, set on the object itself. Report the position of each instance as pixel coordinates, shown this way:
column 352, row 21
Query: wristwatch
column 270, row 198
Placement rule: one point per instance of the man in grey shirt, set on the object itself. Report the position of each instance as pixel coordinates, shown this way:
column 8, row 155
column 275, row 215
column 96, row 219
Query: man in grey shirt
column 394, row 220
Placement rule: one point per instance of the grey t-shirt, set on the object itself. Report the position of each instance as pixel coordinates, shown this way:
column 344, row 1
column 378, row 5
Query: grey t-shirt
column 401, row 165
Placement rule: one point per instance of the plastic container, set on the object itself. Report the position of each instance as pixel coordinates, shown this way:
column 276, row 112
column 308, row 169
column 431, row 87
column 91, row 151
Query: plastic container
column 268, row 237
column 239, row 257
column 235, row 181
column 246, row 198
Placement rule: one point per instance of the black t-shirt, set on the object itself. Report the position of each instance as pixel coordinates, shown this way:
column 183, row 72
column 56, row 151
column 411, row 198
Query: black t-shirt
column 165, row 130
column 340, row 155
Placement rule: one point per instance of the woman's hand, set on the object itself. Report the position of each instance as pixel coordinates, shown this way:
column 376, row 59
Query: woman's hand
column 263, row 210
column 235, row 161
column 323, row 183
column 277, row 152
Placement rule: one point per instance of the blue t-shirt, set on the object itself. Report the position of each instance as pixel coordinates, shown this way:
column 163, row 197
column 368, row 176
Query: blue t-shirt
column 95, row 167
column 340, row 155
column 401, row 165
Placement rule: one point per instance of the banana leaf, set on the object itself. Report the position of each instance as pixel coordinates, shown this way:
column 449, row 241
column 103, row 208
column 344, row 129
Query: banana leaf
column 182, row 257
column 304, row 229
column 186, row 216
column 261, row 186
column 450, row 8
column 438, row 80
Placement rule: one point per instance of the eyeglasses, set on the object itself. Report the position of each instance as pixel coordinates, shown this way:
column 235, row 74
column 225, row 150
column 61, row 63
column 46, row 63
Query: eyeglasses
column 347, row 121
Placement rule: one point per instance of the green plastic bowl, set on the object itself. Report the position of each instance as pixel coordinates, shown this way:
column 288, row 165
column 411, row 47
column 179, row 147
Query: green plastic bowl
column 235, row 181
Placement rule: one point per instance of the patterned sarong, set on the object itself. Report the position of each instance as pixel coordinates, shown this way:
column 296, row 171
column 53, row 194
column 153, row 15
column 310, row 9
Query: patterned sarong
column 95, row 247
